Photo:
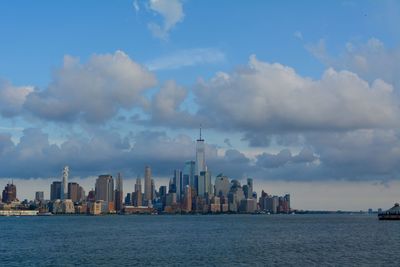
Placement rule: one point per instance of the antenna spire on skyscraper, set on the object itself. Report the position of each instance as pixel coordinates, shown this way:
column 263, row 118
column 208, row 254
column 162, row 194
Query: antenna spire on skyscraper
column 200, row 139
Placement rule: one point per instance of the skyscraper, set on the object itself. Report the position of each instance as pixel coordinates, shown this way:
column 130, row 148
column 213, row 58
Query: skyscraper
column 204, row 183
column 178, row 184
column 147, row 185
column 118, row 193
column 137, row 198
column 55, row 190
column 200, row 155
column 74, row 192
column 189, row 171
column 64, row 187
column 250, row 186
column 9, row 193
column 104, row 189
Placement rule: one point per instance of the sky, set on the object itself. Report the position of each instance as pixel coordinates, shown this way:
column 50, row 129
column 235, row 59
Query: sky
column 301, row 96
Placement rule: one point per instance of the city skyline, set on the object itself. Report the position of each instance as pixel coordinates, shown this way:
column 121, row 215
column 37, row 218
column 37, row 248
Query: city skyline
column 303, row 107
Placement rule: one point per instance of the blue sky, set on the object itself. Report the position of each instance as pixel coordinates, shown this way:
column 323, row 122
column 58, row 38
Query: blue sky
column 286, row 90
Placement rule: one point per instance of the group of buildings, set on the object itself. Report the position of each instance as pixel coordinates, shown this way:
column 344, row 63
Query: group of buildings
column 190, row 190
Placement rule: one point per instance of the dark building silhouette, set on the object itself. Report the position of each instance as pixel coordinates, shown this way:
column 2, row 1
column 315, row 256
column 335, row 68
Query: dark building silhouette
column 9, row 193
column 55, row 190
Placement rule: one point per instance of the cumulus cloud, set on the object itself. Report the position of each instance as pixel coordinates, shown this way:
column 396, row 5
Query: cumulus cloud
column 268, row 97
column 12, row 98
column 171, row 12
column 187, row 58
column 94, row 91
column 370, row 60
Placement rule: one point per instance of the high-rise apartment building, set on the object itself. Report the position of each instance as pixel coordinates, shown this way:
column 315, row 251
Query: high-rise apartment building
column 147, row 185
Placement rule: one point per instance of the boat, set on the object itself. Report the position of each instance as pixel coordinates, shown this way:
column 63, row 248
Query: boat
column 391, row 214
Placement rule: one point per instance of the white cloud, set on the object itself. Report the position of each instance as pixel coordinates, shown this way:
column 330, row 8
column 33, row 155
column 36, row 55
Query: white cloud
column 171, row 11
column 187, row 58
column 272, row 98
column 370, row 60
column 94, row 91
column 12, row 98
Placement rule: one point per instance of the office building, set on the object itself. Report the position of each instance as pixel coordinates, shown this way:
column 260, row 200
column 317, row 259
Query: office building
column 104, row 189
column 189, row 171
column 55, row 190
column 118, row 193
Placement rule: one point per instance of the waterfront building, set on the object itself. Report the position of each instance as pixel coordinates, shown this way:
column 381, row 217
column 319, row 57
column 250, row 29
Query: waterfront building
column 222, row 185
column 200, row 155
column 104, row 189
column 215, row 206
column 55, row 190
column 235, row 195
column 95, row 207
column 128, row 199
column 250, row 187
column 147, row 185
column 248, row 205
column 118, row 193
column 64, row 186
column 39, row 196
column 9, row 193
column 67, row 206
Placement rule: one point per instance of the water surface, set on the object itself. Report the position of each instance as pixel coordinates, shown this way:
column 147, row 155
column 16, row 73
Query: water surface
column 220, row 240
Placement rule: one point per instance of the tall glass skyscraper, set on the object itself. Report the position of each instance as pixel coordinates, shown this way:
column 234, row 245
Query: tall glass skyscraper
column 200, row 156
column 189, row 171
